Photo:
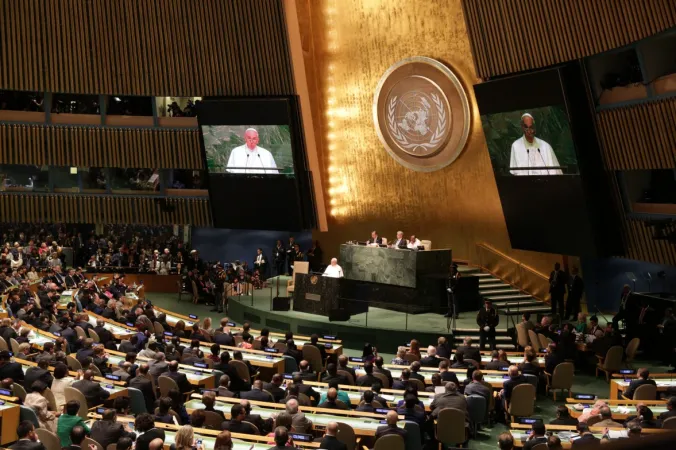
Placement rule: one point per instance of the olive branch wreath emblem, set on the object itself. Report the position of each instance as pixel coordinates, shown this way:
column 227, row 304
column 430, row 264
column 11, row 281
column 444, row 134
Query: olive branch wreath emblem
column 400, row 137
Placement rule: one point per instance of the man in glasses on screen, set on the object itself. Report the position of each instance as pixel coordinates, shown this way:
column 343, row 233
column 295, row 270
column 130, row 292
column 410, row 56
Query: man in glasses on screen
column 531, row 155
column 250, row 158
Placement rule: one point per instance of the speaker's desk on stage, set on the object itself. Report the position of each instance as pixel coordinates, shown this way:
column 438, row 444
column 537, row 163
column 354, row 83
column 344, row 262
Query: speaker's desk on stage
column 392, row 278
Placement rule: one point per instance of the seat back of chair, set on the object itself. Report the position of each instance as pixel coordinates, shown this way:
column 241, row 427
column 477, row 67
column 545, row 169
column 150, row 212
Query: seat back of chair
column 137, row 401
column 26, row 413
column 71, row 393
column 19, row 391
column 256, row 344
column 522, row 402
column 113, row 446
column 242, row 370
column 94, row 335
column 15, row 346
column 347, row 375
column 212, row 420
column 73, row 364
column 413, row 440
column 88, row 442
column 238, row 340
column 209, row 362
column 311, row 354
column 95, row 370
column 257, row 431
column 427, row 244
column 562, row 378
column 669, row 423
column 304, row 400
column 290, row 364
column 533, row 338
column 390, row 442
column 280, row 346
column 543, row 342
column 521, row 336
column 451, row 426
column 346, row 435
column 476, row 408
column 418, row 384
column 474, row 363
column 632, row 347
column 384, row 382
column 3, row 344
column 80, row 332
column 645, row 392
column 166, row 384
column 531, row 379
column 159, row 329
column 299, row 267
column 50, row 440
column 411, row 357
column 491, row 402
column 613, row 361
column 51, row 400
column 272, row 397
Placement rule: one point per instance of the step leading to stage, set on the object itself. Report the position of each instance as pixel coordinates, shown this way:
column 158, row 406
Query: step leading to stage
column 531, row 309
column 494, row 291
column 509, row 297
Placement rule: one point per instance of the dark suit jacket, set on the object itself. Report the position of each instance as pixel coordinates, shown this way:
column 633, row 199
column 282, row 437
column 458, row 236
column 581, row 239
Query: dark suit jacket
column 341, row 378
column 349, row 370
column 496, row 365
column 34, row 374
column 417, row 376
column 25, row 444
column 585, row 440
column 449, row 376
column 629, row 393
column 144, row 385
column 564, row 421
column 400, row 385
column 403, row 243
column 106, row 432
column 146, row 438
column 667, row 414
column 442, row 401
column 239, row 427
column 385, row 372
column 558, row 286
column 255, row 394
column 104, row 334
column 92, row 391
column 366, row 380
column 444, row 351
column 332, row 443
column 510, row 384
column 530, row 368
column 224, row 339
column 13, row 371
column 366, row 408
column 236, row 382
column 306, row 376
column 277, row 392
column 470, row 353
column 378, row 241
column 181, row 380
column 386, row 429
column 430, row 361
column 528, row 445
column 575, row 288
column 307, row 390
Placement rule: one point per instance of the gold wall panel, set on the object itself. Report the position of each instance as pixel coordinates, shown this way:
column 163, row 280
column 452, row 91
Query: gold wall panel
column 103, row 209
column 639, row 136
column 348, row 46
column 510, row 36
column 145, row 47
column 100, row 147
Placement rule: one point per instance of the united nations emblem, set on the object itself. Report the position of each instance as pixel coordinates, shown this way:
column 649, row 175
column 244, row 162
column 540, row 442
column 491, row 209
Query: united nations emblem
column 314, row 279
column 421, row 114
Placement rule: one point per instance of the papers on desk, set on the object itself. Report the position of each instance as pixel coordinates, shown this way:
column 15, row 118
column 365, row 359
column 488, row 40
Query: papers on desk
column 617, row 434
column 624, row 409
column 67, row 294
column 439, row 389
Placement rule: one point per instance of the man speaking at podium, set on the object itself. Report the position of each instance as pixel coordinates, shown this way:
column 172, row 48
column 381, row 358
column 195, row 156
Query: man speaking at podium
column 333, row 270
column 529, row 151
column 250, row 158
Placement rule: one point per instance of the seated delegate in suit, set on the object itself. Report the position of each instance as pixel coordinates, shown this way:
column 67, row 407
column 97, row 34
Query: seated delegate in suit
column 468, row 351
column 332, row 374
column 451, row 398
column 391, row 428
column 431, row 359
column 256, row 393
column 237, row 424
column 330, row 441
column 108, row 430
column 643, row 378
column 400, row 242
column 331, row 401
column 28, row 439
column 145, row 425
column 92, row 390
column 515, row 379
column 375, row 239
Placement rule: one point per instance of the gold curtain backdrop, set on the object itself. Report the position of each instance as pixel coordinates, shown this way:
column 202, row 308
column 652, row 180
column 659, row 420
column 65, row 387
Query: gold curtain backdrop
column 348, row 45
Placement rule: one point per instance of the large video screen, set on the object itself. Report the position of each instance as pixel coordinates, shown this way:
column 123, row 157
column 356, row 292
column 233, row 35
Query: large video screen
column 248, row 149
column 530, row 142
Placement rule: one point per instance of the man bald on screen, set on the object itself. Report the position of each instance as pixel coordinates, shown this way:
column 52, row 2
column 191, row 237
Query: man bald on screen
column 250, row 158
column 529, row 151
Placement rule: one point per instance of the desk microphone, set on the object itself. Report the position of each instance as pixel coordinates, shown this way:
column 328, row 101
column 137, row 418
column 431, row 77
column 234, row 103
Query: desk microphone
column 543, row 160
column 261, row 161
column 528, row 155
column 247, row 163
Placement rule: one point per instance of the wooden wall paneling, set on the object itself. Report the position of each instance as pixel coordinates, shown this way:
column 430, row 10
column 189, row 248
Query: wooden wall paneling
column 4, row 45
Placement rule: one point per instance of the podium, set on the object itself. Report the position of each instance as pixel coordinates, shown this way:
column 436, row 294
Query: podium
column 315, row 294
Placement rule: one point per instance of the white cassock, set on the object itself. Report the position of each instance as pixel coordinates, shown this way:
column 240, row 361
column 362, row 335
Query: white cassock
column 333, row 271
column 415, row 244
column 251, row 161
column 536, row 154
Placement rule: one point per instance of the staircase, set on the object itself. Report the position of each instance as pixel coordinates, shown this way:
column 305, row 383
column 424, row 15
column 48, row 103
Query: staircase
column 508, row 300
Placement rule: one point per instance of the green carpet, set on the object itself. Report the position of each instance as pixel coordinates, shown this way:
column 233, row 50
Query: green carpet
column 487, row 439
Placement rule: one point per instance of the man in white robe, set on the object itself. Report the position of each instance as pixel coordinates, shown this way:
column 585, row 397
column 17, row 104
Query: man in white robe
column 333, row 270
column 250, row 158
column 529, row 151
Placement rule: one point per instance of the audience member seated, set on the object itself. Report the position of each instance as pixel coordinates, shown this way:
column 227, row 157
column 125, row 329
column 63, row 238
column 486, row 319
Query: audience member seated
column 436, row 382
column 332, row 374
column 108, row 430
column 27, row 438
column 145, row 426
column 366, row 402
column 411, row 411
column 92, row 390
column 237, row 424
column 443, row 348
column 380, row 369
column 391, row 428
column 495, row 363
column 606, row 418
column 563, row 417
column 468, row 351
column 209, row 400
column 403, row 382
column 330, row 440
column 68, row 420
column 300, row 423
column 671, row 410
column 367, row 379
column 449, row 399
column 256, row 393
column 431, row 359
column 274, row 387
column 163, row 415
column 399, row 359
column 447, row 375
column 643, row 378
column 477, row 387
column 586, row 438
column 343, row 365
column 536, row 436
column 515, row 379
column 306, row 389
column 332, row 401
column 505, row 441
column 460, row 361
column 305, row 373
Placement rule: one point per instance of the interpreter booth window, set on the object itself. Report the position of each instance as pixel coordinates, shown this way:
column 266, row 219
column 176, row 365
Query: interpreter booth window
column 65, row 179
column 188, row 179
column 16, row 178
column 21, row 101
column 75, row 104
column 177, row 106
column 129, row 106
column 135, row 180
column 94, row 179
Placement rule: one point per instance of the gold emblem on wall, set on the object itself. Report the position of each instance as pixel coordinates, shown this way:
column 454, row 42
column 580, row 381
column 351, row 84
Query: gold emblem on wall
column 421, row 114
